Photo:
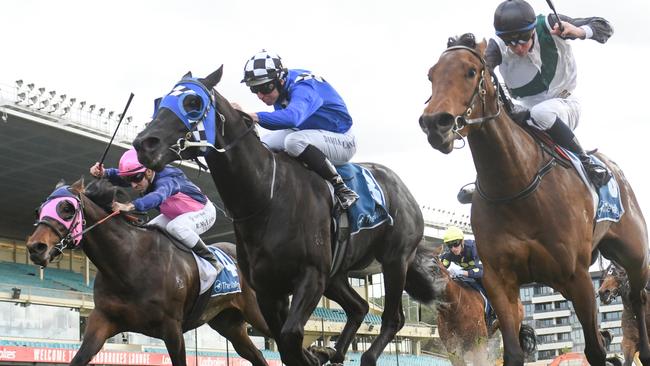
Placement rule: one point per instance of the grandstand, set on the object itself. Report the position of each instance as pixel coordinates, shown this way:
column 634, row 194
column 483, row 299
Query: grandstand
column 43, row 311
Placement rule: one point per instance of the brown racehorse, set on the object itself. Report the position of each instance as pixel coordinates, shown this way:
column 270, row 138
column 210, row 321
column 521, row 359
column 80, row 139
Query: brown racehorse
column 461, row 322
column 614, row 283
column 144, row 283
column 530, row 229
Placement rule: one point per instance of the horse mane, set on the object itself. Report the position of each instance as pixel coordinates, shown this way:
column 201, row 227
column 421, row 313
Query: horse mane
column 102, row 192
column 467, row 40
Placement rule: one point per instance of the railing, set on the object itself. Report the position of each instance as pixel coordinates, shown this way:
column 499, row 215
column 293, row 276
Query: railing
column 38, row 102
column 26, row 295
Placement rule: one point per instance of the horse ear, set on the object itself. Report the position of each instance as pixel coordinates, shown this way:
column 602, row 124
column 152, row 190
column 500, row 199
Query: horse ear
column 480, row 47
column 188, row 75
column 213, row 79
column 78, row 186
column 60, row 183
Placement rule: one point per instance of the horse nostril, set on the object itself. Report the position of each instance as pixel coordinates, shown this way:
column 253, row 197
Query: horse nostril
column 37, row 248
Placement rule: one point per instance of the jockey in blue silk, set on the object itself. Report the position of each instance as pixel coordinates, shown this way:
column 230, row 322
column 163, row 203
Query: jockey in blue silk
column 537, row 65
column 185, row 211
column 463, row 253
column 310, row 121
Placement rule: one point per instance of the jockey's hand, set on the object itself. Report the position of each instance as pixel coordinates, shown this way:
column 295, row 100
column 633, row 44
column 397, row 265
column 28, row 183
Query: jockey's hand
column 455, row 272
column 97, row 170
column 124, row 207
column 570, row 31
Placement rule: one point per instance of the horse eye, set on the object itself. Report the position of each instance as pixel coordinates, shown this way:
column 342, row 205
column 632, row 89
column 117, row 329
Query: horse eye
column 471, row 73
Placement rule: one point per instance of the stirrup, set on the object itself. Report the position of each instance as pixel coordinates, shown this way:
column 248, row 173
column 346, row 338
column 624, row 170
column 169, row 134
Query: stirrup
column 346, row 197
column 598, row 175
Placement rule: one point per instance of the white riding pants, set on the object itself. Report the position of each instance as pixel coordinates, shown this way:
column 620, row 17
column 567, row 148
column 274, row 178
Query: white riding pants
column 338, row 147
column 188, row 226
column 545, row 113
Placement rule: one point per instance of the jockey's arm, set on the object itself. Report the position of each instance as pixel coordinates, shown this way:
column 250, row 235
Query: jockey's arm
column 594, row 28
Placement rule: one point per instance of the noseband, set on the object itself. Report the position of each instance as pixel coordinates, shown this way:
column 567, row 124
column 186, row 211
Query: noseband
column 462, row 120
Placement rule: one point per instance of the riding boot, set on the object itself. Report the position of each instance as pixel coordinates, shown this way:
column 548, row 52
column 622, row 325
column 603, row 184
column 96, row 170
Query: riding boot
column 318, row 162
column 563, row 136
column 202, row 251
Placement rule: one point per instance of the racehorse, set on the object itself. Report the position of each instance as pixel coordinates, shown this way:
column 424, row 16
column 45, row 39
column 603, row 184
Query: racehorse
column 461, row 322
column 144, row 284
column 531, row 224
column 614, row 283
column 282, row 220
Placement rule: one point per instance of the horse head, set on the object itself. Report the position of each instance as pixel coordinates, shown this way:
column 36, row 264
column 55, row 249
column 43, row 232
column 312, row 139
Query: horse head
column 59, row 224
column 461, row 86
column 613, row 284
column 189, row 121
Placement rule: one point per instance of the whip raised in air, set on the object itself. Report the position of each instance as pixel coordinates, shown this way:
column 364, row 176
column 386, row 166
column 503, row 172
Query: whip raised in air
column 128, row 103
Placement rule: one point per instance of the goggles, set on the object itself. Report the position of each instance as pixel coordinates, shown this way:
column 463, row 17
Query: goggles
column 517, row 38
column 453, row 243
column 266, row 88
column 135, row 178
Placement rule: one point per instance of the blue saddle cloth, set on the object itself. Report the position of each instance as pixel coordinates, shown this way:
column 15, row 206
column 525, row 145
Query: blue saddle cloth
column 369, row 210
column 609, row 205
column 227, row 281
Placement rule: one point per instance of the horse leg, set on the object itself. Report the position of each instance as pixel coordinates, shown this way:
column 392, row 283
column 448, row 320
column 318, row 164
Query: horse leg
column 355, row 308
column 392, row 319
column 173, row 338
column 581, row 293
column 230, row 323
column 99, row 329
column 638, row 299
column 504, row 294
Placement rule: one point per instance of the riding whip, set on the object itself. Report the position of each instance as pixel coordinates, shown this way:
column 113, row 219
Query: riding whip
column 116, row 128
column 559, row 22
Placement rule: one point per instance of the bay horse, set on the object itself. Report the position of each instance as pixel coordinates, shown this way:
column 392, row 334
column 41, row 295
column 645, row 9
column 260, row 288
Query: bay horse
column 144, row 283
column 282, row 220
column 462, row 326
column 531, row 224
column 613, row 284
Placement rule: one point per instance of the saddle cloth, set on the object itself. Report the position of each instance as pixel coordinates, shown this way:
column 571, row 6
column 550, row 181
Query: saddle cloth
column 369, row 211
column 607, row 200
column 228, row 280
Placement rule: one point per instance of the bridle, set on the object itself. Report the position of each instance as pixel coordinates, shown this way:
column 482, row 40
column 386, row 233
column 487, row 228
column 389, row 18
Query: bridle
column 71, row 238
column 462, row 120
column 196, row 135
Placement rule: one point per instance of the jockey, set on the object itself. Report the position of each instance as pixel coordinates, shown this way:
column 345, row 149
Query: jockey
column 310, row 121
column 185, row 212
column 538, row 67
column 464, row 254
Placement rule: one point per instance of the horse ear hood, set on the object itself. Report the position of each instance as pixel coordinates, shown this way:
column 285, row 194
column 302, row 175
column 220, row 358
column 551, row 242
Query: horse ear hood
column 213, row 79
column 188, row 75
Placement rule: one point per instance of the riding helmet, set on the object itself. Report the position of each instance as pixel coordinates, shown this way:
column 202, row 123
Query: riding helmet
column 129, row 164
column 453, row 233
column 262, row 68
column 514, row 16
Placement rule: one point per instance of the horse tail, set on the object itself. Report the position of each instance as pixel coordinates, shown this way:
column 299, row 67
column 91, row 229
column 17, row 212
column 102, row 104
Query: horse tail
column 527, row 339
column 421, row 283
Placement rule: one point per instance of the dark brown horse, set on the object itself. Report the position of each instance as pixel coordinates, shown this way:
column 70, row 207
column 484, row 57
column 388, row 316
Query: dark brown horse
column 144, row 284
column 613, row 284
column 462, row 326
column 282, row 219
column 533, row 221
